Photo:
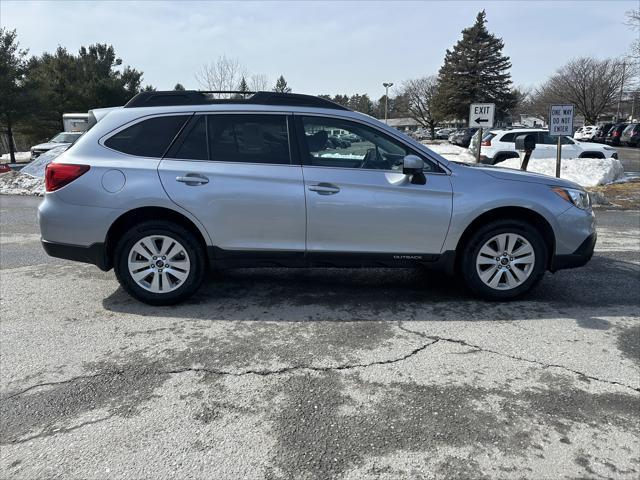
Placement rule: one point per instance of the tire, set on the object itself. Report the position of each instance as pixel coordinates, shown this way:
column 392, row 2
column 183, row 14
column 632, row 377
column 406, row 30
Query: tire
column 513, row 279
column 179, row 279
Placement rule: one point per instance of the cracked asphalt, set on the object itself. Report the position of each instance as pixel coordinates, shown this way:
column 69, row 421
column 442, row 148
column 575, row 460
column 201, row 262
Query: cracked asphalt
column 318, row 374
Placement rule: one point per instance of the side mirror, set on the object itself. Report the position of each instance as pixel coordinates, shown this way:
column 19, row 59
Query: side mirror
column 414, row 166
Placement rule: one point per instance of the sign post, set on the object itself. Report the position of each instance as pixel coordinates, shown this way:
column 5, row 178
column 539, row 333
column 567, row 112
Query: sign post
column 560, row 125
column 481, row 115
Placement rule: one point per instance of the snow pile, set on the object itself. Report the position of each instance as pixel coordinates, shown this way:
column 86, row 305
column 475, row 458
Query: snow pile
column 17, row 183
column 20, row 157
column 29, row 180
column 587, row 172
column 453, row 153
column 36, row 168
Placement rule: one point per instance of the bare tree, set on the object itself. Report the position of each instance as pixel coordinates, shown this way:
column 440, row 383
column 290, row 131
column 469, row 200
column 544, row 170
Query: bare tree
column 633, row 22
column 259, row 82
column 592, row 85
column 223, row 74
column 421, row 95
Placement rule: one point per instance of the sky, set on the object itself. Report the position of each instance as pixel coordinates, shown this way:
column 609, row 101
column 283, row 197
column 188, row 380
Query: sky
column 322, row 47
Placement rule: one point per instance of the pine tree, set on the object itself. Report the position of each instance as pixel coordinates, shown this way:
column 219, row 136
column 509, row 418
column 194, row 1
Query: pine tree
column 243, row 87
column 179, row 86
column 475, row 71
column 281, row 85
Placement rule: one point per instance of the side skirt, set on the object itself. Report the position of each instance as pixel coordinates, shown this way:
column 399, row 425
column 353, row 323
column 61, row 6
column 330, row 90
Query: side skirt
column 252, row 259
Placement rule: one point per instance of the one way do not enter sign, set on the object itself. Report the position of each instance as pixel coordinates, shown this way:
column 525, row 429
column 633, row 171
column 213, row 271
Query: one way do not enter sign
column 481, row 115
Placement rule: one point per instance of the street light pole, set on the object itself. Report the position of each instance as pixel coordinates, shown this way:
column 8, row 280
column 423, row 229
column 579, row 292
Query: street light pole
column 386, row 98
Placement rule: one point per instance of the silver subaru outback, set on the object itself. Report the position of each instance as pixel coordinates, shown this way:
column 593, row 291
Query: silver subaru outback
column 176, row 182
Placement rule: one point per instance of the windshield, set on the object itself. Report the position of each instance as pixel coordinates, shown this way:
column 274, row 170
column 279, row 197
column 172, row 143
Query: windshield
column 65, row 137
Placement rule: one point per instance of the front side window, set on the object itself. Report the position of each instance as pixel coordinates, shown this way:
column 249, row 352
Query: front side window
column 148, row 138
column 248, row 138
column 545, row 139
column 332, row 142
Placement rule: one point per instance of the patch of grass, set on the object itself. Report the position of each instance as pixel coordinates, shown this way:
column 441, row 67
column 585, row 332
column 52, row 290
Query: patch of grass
column 622, row 195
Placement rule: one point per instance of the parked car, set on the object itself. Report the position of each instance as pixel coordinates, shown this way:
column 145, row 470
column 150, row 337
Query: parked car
column 463, row 136
column 176, row 182
column 631, row 135
column 585, row 133
column 499, row 145
column 62, row 138
column 614, row 133
column 601, row 132
column 444, row 133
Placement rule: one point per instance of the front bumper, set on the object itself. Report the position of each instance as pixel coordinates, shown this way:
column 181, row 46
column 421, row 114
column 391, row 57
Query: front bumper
column 94, row 253
column 579, row 258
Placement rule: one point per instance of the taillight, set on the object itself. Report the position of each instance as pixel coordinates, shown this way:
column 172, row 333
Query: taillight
column 616, row 133
column 486, row 143
column 57, row 175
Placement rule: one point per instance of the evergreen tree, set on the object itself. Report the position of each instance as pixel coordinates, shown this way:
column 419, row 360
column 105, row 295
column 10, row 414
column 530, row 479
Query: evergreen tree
column 13, row 101
column 475, row 71
column 341, row 100
column 179, row 86
column 63, row 82
column 281, row 85
column 361, row 103
column 243, row 87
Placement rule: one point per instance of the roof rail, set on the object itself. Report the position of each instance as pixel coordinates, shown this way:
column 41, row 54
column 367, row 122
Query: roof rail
column 196, row 97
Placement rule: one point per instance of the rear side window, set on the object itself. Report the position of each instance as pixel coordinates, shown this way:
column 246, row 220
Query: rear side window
column 248, row 138
column 508, row 138
column 148, row 138
column 488, row 136
column 192, row 144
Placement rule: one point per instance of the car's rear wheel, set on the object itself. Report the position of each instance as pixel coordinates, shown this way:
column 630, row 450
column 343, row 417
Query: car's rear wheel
column 159, row 263
column 504, row 259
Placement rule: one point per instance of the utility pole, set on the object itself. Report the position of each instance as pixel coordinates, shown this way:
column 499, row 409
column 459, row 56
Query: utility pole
column 386, row 99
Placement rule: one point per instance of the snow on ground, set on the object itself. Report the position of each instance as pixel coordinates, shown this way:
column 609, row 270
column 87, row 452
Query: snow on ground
column 17, row 183
column 29, row 180
column 452, row 152
column 20, row 157
column 587, row 172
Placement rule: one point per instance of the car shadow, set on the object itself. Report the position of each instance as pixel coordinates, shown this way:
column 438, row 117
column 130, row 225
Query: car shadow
column 390, row 294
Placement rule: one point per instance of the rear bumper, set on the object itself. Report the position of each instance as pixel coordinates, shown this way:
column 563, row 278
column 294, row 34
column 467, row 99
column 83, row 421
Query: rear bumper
column 94, row 253
column 580, row 257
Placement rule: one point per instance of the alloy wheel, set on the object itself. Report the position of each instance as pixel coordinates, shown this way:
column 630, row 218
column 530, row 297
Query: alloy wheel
column 158, row 263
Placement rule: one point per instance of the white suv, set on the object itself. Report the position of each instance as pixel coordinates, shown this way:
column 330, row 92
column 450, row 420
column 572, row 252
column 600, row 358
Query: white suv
column 499, row 145
column 585, row 133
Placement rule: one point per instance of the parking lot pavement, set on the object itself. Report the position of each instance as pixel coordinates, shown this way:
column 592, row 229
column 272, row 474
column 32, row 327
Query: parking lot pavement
column 630, row 158
column 318, row 373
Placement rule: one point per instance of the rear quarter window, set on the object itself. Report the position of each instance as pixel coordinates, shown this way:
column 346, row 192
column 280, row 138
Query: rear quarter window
column 148, row 138
column 508, row 138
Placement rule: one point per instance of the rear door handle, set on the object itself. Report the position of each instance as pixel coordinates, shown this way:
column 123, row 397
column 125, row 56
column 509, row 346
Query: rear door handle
column 193, row 179
column 324, row 188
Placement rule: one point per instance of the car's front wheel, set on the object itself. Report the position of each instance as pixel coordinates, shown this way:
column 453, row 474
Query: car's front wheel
column 159, row 263
column 504, row 259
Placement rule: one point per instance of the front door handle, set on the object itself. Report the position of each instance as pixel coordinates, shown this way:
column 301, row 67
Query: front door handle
column 324, row 188
column 193, row 179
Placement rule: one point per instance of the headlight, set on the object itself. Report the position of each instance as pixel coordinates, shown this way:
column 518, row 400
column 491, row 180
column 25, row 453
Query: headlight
column 579, row 198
